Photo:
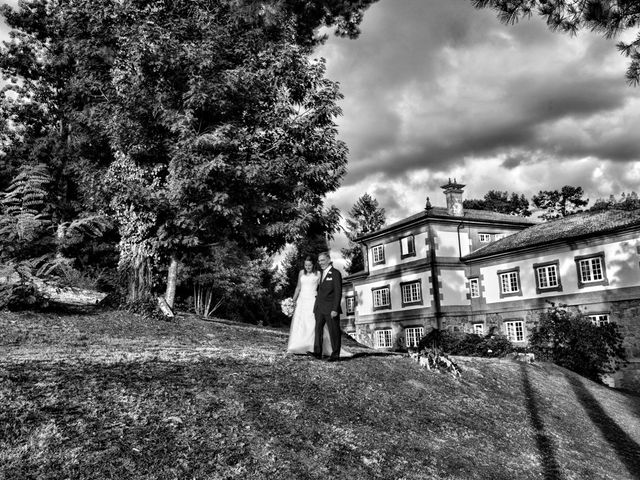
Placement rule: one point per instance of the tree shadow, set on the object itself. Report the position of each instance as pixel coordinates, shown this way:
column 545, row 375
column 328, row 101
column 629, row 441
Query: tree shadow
column 627, row 449
column 546, row 447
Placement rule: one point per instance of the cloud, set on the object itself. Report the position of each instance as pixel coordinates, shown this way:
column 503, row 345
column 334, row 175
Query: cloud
column 437, row 89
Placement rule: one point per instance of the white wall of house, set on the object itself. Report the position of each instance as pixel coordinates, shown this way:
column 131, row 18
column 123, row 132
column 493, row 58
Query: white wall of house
column 392, row 252
column 447, row 243
column 454, row 290
column 620, row 261
column 365, row 296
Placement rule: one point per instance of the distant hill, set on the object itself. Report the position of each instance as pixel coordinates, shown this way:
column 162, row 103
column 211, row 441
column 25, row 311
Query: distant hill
column 112, row 395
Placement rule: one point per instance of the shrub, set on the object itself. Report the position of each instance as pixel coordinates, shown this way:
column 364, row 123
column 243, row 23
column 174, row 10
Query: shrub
column 567, row 339
column 470, row 344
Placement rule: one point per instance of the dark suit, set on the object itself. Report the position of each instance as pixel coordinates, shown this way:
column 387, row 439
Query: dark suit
column 328, row 300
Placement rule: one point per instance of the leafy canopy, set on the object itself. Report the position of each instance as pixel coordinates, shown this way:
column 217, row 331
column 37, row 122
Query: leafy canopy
column 568, row 339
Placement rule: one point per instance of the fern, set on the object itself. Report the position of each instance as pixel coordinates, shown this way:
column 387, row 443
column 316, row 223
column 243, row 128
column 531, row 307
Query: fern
column 23, row 205
column 92, row 226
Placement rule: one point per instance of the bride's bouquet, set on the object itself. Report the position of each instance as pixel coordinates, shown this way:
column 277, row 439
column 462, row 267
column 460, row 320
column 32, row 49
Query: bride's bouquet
column 288, row 306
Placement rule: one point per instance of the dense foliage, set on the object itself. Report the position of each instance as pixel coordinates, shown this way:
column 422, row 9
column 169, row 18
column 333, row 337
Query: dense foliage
column 187, row 123
column 460, row 343
column 566, row 338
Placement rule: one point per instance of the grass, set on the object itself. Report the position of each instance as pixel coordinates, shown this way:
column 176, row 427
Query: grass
column 112, row 395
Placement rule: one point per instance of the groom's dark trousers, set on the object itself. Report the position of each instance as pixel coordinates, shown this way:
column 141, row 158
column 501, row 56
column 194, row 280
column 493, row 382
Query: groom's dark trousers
column 327, row 300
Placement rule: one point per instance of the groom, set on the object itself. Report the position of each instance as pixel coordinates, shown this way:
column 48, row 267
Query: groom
column 327, row 307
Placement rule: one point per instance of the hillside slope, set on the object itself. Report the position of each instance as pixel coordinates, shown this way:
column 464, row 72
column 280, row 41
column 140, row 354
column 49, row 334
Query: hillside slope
column 115, row 396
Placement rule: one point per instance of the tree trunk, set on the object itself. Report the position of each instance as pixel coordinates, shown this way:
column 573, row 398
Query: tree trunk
column 139, row 274
column 172, row 279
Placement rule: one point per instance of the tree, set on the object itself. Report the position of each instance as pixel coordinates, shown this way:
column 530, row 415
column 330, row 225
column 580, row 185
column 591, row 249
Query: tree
column 625, row 202
column 568, row 339
column 190, row 122
column 609, row 17
column 501, row 202
column 557, row 204
column 365, row 216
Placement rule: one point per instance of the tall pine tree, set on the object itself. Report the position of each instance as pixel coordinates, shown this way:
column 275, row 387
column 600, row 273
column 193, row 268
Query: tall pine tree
column 365, row 216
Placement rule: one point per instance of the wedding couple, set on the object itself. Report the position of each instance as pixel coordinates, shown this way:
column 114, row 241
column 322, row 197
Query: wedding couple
column 315, row 327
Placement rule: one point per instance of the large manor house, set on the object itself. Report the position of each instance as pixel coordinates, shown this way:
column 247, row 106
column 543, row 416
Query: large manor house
column 480, row 272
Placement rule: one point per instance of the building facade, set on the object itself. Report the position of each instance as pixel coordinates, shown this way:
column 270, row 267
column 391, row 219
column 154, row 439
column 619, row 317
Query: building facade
column 478, row 271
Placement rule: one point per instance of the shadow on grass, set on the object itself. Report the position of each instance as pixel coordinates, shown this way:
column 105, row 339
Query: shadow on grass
column 546, row 447
column 627, row 449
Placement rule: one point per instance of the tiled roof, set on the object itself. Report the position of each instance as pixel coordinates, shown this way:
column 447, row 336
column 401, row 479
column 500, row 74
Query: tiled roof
column 575, row 226
column 469, row 215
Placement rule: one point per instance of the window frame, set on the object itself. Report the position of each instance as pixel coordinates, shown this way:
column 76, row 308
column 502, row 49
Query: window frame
column 483, row 234
column 420, row 301
column 383, row 259
column 515, row 330
column 352, row 310
column 593, row 318
column 387, row 333
column 412, row 245
column 475, row 280
column 603, row 268
column 515, row 293
column 417, row 338
column 478, row 324
column 373, row 297
column 554, row 288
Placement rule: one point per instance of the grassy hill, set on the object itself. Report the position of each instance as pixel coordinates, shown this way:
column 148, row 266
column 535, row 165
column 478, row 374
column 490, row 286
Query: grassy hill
column 113, row 395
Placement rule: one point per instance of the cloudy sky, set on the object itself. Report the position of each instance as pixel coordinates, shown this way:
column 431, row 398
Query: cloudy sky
column 437, row 89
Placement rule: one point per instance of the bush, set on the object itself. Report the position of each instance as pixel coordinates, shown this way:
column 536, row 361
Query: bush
column 568, row 339
column 470, row 344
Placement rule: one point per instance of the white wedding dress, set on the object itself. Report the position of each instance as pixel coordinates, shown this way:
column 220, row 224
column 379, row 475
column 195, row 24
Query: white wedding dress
column 303, row 324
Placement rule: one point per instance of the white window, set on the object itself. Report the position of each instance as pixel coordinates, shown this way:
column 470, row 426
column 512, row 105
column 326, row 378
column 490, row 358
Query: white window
column 499, row 236
column 591, row 269
column 413, row 335
column 509, row 282
column 599, row 319
column 377, row 253
column 381, row 297
column 547, row 276
column 407, row 246
column 474, row 287
column 514, row 331
column 383, row 338
column 411, row 292
column 351, row 304
column 484, row 237
column 478, row 328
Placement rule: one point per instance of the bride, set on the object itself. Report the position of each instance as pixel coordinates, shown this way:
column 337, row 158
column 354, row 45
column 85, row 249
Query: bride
column 303, row 324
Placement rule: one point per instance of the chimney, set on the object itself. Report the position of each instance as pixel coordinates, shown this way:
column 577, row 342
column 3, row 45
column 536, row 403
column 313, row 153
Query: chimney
column 453, row 192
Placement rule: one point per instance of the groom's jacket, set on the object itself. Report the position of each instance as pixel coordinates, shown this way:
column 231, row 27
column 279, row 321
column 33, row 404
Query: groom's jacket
column 329, row 293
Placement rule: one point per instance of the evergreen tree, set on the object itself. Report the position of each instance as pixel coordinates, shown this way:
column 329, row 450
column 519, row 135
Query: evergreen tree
column 557, row 204
column 365, row 216
column 625, row 202
column 501, row 202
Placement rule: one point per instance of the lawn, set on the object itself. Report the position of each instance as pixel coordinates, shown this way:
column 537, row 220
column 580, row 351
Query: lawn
column 112, row 395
